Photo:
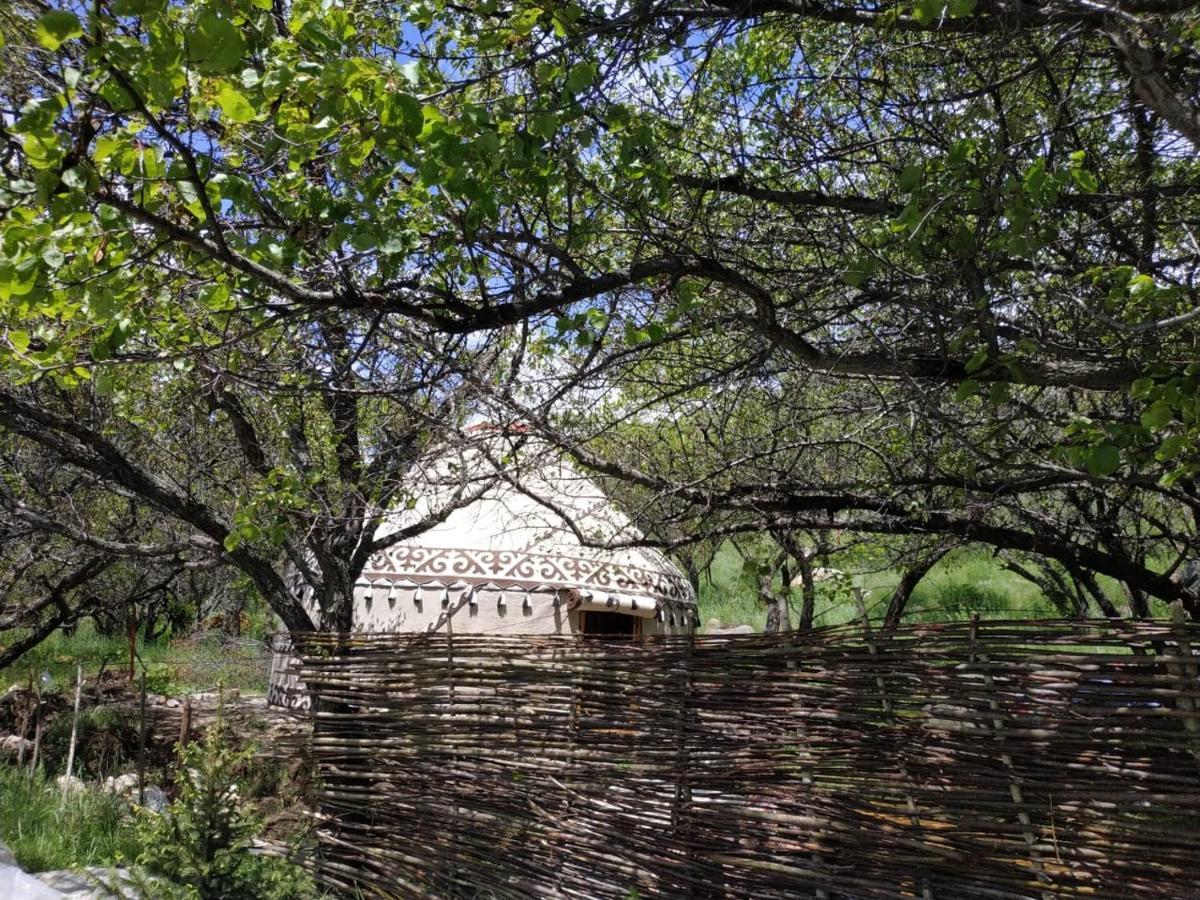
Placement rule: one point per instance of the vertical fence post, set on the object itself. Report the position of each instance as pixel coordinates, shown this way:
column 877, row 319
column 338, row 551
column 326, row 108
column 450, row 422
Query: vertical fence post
column 1188, row 673
column 819, row 893
column 142, row 743
column 74, row 725
column 575, row 665
column 25, row 715
column 37, row 727
column 681, row 808
column 890, row 711
column 450, row 693
column 185, row 724
column 1014, row 786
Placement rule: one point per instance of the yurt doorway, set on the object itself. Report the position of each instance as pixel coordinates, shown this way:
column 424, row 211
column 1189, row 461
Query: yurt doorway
column 609, row 624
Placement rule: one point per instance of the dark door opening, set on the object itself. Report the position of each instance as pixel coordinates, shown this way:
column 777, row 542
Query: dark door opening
column 609, row 623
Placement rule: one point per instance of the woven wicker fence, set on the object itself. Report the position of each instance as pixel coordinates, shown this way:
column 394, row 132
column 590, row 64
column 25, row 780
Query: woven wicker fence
column 1022, row 759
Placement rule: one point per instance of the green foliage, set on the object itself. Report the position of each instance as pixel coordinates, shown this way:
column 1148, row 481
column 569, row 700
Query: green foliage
column 57, row 27
column 202, row 840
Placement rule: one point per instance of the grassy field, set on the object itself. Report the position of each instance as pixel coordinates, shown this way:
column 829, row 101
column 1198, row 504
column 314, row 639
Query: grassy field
column 964, row 582
column 192, row 664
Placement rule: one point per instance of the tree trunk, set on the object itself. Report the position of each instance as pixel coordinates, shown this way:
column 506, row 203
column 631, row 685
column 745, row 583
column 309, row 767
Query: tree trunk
column 808, row 588
column 778, row 615
column 908, row 583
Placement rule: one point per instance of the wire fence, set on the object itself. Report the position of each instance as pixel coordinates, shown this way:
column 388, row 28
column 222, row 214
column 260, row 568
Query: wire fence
column 998, row 759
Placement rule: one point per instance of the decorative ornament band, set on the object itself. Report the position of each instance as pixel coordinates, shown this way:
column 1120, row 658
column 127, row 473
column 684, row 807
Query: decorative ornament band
column 425, row 564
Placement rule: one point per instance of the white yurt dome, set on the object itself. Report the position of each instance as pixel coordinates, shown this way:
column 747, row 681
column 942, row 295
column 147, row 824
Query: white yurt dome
column 508, row 537
column 516, row 529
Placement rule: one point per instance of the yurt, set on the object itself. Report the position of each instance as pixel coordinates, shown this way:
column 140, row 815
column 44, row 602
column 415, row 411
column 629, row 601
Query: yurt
column 521, row 542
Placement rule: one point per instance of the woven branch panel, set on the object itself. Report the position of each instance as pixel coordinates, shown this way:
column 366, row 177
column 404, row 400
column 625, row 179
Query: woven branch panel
column 1016, row 759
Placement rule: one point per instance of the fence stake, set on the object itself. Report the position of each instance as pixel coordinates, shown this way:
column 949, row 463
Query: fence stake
column 890, row 712
column 74, row 724
column 1188, row 673
column 806, row 778
column 37, row 726
column 1014, row 787
column 142, row 744
column 185, row 723
column 681, row 809
column 24, row 727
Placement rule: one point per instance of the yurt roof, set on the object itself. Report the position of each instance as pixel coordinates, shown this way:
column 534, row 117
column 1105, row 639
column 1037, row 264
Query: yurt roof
column 533, row 522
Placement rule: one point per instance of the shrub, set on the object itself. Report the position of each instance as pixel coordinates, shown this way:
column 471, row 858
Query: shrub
column 202, row 840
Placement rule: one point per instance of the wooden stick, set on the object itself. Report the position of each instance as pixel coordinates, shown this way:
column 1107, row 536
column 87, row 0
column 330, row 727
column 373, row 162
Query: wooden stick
column 185, row 723
column 74, row 724
column 872, row 648
column 37, row 726
column 142, row 743
column 1006, row 759
column 1189, row 675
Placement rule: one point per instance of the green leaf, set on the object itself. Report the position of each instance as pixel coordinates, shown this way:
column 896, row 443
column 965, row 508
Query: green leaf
column 968, row 388
column 1140, row 286
column 1158, row 416
column 928, row 11
column 234, row 104
column 910, row 179
column 544, row 125
column 19, row 340
column 53, row 256
column 580, row 77
column 75, row 178
column 403, row 111
column 1141, row 388
column 57, row 27
column 859, row 270
column 1103, row 460
column 978, row 358
column 432, row 118
column 138, row 7
column 1171, row 447
column 1085, row 181
column 215, row 44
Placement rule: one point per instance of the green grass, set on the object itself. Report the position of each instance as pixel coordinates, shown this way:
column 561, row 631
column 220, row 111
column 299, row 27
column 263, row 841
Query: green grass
column 964, row 582
column 46, row 830
column 172, row 666
column 727, row 595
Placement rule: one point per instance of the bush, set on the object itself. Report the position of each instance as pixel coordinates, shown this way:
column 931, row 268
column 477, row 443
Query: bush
column 202, row 840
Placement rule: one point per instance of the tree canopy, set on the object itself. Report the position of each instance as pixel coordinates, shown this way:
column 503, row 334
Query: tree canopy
column 904, row 268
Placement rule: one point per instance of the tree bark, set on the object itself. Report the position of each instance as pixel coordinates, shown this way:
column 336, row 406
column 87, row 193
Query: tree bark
column 909, row 580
